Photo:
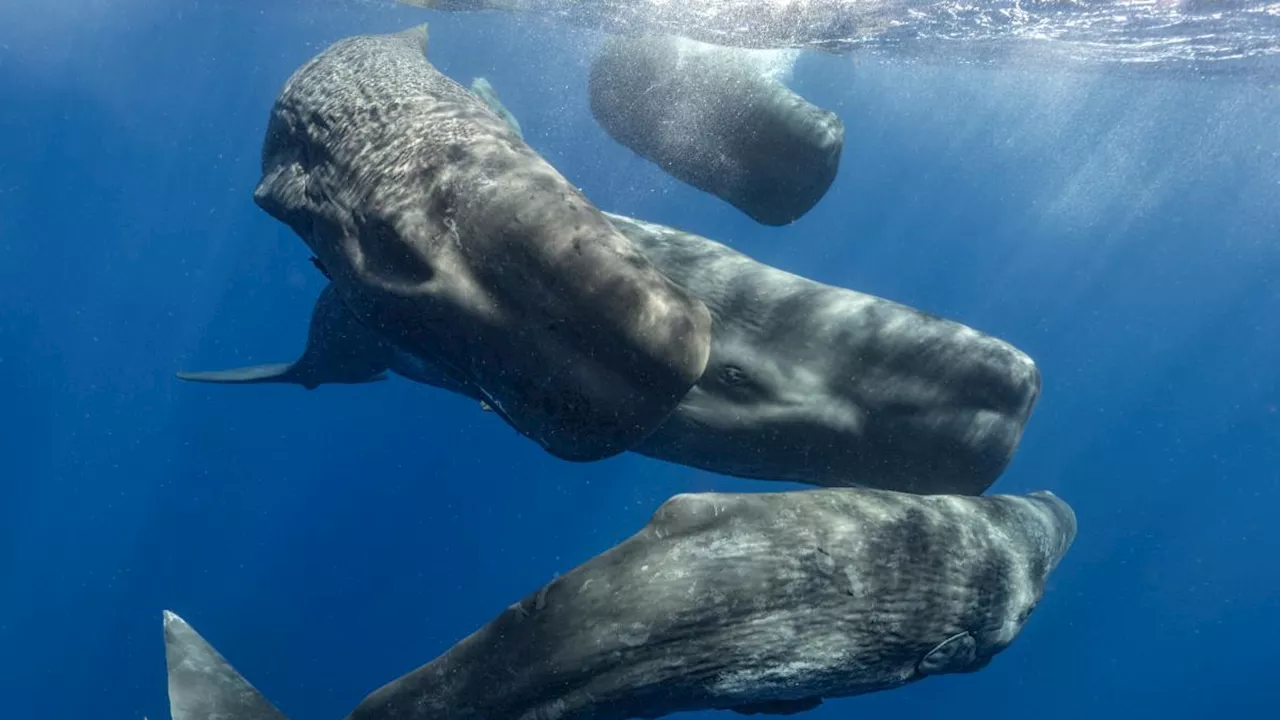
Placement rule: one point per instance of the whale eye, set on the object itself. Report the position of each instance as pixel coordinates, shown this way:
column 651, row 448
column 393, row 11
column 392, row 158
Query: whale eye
column 956, row 654
column 732, row 376
column 1026, row 614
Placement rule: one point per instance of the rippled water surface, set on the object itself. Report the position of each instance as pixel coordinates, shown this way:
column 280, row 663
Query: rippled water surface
column 1188, row 33
column 1201, row 35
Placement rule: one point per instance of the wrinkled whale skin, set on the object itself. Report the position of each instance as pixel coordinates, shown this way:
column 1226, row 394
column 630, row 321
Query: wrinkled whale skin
column 764, row 602
column 807, row 382
column 819, row 384
column 444, row 231
column 760, row 603
column 713, row 119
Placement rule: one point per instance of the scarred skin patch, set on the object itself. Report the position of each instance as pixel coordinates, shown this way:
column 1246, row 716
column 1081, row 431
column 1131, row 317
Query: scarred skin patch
column 760, row 603
column 726, row 601
column 804, row 382
column 459, row 244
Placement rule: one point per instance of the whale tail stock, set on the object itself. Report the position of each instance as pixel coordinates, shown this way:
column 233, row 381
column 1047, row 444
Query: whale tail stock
column 202, row 684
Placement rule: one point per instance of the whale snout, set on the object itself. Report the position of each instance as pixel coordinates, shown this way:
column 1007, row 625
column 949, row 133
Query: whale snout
column 997, row 377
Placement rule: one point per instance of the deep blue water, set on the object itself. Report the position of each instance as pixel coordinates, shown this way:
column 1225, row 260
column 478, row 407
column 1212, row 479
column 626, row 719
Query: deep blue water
column 1124, row 231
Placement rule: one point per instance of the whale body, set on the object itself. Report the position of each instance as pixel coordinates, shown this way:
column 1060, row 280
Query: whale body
column 805, row 382
column 445, row 232
column 713, row 118
column 752, row 602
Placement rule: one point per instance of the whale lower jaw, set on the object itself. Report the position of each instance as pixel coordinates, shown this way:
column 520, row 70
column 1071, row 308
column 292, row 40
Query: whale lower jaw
column 967, row 452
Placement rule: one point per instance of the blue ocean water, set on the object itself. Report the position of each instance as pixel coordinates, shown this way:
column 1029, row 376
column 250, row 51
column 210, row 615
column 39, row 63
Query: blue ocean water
column 1122, row 229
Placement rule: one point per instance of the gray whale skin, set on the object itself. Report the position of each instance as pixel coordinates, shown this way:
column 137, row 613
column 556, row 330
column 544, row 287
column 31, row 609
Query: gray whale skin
column 753, row 602
column 443, row 231
column 805, row 382
column 708, row 117
column 819, row 384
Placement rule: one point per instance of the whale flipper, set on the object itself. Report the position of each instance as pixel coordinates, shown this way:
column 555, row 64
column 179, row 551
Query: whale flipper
column 339, row 351
column 268, row 373
column 271, row 372
column 202, row 684
column 484, row 90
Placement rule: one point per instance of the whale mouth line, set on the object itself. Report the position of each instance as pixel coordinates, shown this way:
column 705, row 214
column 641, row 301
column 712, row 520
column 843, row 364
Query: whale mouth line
column 725, row 414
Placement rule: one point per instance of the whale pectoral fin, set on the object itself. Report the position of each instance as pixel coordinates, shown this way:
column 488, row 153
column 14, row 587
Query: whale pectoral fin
column 202, row 684
column 419, row 34
column 317, row 264
column 483, row 89
column 778, row 707
column 269, row 373
column 273, row 373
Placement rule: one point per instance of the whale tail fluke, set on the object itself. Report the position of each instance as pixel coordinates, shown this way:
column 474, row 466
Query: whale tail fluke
column 202, row 684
